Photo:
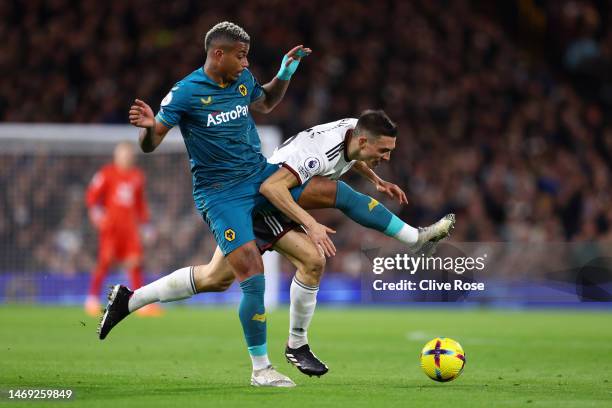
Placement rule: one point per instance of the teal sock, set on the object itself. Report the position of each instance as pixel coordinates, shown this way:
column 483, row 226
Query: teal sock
column 361, row 208
column 252, row 313
column 370, row 213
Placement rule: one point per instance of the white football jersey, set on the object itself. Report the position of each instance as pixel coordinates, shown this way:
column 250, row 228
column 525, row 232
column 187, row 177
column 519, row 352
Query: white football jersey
column 318, row 151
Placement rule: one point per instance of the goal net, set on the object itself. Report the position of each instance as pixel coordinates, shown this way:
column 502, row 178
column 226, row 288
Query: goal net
column 48, row 246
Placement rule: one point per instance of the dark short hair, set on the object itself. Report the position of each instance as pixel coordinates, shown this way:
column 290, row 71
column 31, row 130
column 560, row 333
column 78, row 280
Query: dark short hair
column 375, row 123
column 225, row 31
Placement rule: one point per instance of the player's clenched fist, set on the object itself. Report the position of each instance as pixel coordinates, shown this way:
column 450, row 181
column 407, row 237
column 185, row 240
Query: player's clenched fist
column 141, row 114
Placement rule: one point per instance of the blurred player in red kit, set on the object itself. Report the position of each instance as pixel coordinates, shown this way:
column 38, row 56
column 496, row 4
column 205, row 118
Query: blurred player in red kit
column 117, row 208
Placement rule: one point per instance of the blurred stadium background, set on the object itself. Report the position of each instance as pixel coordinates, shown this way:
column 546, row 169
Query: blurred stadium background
column 503, row 109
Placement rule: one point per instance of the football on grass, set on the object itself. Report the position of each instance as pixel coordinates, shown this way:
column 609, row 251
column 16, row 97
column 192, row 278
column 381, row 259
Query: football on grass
column 442, row 359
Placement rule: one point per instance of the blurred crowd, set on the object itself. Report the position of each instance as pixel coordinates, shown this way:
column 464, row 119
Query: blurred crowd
column 518, row 143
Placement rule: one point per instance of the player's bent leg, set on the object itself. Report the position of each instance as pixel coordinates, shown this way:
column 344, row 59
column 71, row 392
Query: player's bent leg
column 365, row 210
column 247, row 265
column 300, row 251
column 320, row 192
column 216, row 276
column 298, row 248
column 178, row 285
column 371, row 214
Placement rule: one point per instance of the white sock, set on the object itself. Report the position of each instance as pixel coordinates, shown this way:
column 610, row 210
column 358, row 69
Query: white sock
column 408, row 234
column 260, row 362
column 178, row 285
column 303, row 303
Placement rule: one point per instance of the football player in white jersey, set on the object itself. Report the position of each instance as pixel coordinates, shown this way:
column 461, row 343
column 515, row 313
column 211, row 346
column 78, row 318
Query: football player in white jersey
column 317, row 156
column 329, row 151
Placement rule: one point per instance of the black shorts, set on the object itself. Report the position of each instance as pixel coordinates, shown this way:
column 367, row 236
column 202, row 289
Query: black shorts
column 270, row 226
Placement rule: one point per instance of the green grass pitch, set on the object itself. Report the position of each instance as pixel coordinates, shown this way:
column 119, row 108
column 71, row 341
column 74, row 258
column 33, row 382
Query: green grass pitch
column 196, row 357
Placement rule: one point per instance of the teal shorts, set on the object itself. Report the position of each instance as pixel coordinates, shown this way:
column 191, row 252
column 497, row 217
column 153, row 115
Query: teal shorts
column 229, row 213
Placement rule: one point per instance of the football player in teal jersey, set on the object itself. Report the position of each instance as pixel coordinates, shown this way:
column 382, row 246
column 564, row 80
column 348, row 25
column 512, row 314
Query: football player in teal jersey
column 211, row 107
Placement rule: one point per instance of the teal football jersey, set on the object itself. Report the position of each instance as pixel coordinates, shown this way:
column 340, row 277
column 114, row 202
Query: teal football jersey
column 218, row 130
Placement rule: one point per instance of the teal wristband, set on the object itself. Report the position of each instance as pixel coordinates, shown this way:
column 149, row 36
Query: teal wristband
column 286, row 71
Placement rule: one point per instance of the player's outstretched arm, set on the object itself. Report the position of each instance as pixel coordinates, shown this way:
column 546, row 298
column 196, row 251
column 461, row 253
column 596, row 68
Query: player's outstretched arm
column 153, row 132
column 276, row 88
column 276, row 190
column 390, row 189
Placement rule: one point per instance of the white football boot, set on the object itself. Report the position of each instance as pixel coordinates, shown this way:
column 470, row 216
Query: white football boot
column 431, row 235
column 269, row 377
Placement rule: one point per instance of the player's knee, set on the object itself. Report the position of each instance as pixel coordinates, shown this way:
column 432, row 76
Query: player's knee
column 313, row 266
column 246, row 261
column 253, row 265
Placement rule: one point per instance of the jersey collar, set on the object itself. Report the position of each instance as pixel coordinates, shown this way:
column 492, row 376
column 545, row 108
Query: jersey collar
column 347, row 140
column 210, row 81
